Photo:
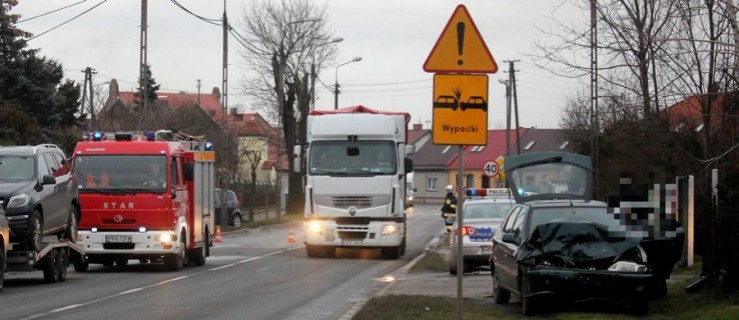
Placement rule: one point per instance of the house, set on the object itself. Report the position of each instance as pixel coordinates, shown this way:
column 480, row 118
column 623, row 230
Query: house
column 688, row 115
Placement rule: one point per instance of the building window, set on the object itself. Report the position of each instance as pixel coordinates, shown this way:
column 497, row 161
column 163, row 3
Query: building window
column 485, row 181
column 564, row 145
column 431, row 184
column 470, row 181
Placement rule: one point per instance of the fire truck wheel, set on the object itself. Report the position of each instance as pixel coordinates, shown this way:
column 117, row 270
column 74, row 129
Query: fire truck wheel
column 63, row 263
column 51, row 267
column 81, row 266
column 176, row 261
column 197, row 255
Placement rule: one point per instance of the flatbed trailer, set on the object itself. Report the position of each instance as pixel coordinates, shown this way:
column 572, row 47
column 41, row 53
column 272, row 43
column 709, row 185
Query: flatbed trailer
column 53, row 259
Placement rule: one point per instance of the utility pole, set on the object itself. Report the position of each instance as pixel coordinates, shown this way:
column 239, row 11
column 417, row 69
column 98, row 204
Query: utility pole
column 514, row 93
column 88, row 84
column 224, row 101
column 198, row 92
column 508, row 114
column 143, row 85
column 594, row 90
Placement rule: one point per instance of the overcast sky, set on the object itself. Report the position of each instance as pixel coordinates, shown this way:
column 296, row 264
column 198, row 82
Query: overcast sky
column 393, row 37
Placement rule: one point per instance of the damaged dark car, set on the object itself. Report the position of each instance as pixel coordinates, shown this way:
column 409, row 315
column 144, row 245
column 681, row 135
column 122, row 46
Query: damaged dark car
column 556, row 243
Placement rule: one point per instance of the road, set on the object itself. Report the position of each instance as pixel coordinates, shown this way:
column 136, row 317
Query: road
column 258, row 275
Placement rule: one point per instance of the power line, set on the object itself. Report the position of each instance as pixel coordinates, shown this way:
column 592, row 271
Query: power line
column 211, row 21
column 65, row 22
column 50, row 12
column 385, row 84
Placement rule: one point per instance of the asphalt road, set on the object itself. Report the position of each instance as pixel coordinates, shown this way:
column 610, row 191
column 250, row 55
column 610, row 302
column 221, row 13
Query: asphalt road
column 252, row 275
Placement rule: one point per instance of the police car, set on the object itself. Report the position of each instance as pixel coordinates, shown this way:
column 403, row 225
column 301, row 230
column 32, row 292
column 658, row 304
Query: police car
column 484, row 210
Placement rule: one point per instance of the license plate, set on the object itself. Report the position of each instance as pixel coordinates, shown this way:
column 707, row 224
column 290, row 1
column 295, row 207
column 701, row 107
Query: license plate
column 115, row 238
column 351, row 242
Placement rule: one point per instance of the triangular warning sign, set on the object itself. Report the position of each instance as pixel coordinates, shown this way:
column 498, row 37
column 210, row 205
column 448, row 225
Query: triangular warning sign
column 460, row 48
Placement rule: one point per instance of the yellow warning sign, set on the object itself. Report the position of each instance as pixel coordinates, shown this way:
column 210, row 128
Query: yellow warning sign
column 460, row 48
column 460, row 109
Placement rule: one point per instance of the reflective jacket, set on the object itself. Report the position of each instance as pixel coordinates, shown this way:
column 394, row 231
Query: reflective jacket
column 450, row 204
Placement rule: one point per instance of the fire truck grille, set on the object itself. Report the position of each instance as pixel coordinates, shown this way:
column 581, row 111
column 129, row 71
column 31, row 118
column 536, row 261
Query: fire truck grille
column 118, row 246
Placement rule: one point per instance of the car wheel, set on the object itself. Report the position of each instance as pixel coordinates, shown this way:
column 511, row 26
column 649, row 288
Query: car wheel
column 501, row 296
column 313, row 251
column 71, row 232
column 51, row 267
column 35, row 231
column 236, row 221
column 527, row 301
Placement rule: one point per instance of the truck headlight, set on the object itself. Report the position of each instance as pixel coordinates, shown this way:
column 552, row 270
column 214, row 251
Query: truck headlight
column 165, row 237
column 314, row 227
column 18, row 201
column 390, row 229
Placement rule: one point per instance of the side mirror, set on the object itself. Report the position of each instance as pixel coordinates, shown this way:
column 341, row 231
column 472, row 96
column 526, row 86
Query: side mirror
column 408, row 163
column 509, row 237
column 48, row 179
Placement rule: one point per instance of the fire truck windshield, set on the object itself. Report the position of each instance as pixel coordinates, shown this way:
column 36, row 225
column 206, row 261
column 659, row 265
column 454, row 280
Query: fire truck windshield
column 121, row 172
column 347, row 158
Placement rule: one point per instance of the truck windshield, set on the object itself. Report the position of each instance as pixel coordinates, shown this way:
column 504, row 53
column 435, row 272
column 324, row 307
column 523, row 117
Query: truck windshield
column 121, row 172
column 362, row 157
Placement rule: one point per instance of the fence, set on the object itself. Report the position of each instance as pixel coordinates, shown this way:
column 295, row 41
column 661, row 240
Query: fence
column 266, row 194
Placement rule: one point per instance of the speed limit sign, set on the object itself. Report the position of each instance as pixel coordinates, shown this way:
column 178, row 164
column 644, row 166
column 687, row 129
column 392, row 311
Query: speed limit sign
column 490, row 168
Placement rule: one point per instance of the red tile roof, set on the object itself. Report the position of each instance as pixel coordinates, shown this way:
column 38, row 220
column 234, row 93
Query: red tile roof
column 496, row 147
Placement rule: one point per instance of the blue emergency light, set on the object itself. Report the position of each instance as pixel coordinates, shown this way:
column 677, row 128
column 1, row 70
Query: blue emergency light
column 97, row 136
column 150, row 136
column 208, row 146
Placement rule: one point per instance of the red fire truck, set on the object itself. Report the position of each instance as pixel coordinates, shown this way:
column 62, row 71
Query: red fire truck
column 144, row 196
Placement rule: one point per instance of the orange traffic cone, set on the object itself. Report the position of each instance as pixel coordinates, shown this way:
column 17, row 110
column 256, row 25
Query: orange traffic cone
column 219, row 239
column 291, row 236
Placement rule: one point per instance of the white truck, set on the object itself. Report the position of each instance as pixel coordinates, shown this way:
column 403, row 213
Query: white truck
column 355, row 180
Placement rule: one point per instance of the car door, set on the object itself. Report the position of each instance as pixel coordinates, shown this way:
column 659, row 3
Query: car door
column 504, row 254
column 50, row 195
column 67, row 188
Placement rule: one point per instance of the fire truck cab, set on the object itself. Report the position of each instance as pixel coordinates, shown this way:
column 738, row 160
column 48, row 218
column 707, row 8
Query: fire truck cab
column 144, row 196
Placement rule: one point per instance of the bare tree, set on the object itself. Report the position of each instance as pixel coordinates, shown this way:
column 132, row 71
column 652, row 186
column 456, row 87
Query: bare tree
column 284, row 41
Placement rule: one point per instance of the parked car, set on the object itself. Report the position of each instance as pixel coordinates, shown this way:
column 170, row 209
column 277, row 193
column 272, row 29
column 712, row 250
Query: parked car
column 38, row 193
column 232, row 203
column 4, row 242
column 556, row 242
column 482, row 213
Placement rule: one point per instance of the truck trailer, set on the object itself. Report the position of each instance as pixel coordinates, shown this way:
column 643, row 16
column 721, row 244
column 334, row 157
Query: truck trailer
column 356, row 167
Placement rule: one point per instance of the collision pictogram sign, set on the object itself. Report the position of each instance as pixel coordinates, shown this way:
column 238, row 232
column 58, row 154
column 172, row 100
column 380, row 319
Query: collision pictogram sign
column 460, row 109
column 460, row 48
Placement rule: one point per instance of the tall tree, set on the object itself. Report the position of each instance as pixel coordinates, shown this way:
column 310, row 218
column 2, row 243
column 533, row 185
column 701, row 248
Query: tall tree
column 33, row 85
column 285, row 41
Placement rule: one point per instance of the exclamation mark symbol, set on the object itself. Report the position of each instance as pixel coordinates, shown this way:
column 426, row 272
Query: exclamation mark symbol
column 460, row 41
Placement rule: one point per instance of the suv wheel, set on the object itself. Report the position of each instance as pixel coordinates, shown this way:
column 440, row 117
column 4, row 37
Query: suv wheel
column 35, row 231
column 70, row 233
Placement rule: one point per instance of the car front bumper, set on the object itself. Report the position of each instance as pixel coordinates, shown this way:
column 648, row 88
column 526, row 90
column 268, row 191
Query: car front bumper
column 589, row 284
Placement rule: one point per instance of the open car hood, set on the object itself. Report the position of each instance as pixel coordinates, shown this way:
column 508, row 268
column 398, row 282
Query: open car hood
column 575, row 245
column 549, row 176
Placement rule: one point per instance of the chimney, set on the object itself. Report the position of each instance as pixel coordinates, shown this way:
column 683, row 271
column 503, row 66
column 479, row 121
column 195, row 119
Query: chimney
column 417, row 126
column 232, row 111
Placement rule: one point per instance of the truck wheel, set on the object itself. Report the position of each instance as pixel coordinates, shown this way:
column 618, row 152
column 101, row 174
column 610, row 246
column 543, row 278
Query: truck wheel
column 108, row 262
column 51, row 267
column 35, row 232
column 236, row 221
column 313, row 251
column 197, row 255
column 391, row 252
column 81, row 266
column 71, row 232
column 63, row 259
column 176, row 261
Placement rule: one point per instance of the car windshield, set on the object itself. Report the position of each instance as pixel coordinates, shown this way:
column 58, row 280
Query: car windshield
column 121, row 172
column 597, row 215
column 16, row 168
column 496, row 210
column 363, row 157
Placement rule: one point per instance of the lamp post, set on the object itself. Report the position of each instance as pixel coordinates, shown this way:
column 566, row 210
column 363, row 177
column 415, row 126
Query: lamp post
column 336, row 85
column 313, row 74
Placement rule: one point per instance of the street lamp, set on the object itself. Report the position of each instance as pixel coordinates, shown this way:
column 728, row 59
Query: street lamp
column 336, row 85
column 313, row 70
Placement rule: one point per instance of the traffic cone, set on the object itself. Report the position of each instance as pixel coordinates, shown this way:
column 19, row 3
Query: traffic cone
column 219, row 239
column 291, row 236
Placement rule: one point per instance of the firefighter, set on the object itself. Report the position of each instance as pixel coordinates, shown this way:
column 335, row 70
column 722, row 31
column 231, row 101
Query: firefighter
column 449, row 209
